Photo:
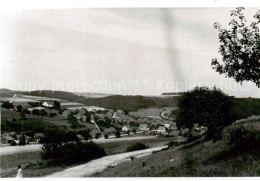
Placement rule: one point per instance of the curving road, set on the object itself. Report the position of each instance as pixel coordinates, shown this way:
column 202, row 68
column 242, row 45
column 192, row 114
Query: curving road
column 101, row 164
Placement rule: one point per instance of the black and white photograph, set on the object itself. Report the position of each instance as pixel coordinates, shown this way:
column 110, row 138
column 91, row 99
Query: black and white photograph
column 130, row 92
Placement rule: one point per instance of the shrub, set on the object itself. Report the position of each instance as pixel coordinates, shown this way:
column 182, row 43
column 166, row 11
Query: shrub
column 85, row 134
column 56, row 138
column 74, row 153
column 136, row 146
column 36, row 112
column 19, row 108
column 26, row 111
column 118, row 135
column 106, row 136
column 210, row 108
column 98, row 135
column 22, row 140
column 13, row 143
column 53, row 114
column 244, row 139
column 7, row 105
column 173, row 143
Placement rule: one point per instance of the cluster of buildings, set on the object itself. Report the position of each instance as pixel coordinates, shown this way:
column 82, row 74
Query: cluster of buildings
column 13, row 138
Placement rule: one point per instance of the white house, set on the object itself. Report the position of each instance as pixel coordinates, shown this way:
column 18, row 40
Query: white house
column 161, row 129
column 46, row 104
column 125, row 129
column 167, row 126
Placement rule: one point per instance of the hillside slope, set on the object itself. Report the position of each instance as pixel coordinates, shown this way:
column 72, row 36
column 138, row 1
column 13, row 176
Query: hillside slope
column 237, row 153
column 130, row 103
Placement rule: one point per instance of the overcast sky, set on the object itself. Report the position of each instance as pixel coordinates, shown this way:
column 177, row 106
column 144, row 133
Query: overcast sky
column 118, row 51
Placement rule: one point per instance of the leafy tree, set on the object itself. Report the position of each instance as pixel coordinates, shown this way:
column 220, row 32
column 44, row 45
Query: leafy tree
column 239, row 48
column 26, row 111
column 126, row 112
column 56, row 104
column 128, row 132
column 43, row 112
column 22, row 140
column 98, row 135
column 36, row 112
column 88, row 116
column 73, row 121
column 210, row 108
column 118, row 135
column 53, row 114
column 56, row 138
column 85, row 134
column 106, row 136
column 19, row 108
column 134, row 131
column 7, row 105
column 136, row 146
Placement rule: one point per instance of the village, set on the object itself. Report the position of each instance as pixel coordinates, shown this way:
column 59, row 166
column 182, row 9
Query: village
column 25, row 117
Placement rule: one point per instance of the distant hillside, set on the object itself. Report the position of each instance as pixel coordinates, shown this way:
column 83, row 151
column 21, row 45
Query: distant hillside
column 172, row 93
column 130, row 103
column 8, row 92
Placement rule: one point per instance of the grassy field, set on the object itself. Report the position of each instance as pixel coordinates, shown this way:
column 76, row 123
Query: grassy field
column 220, row 158
column 244, row 107
column 149, row 112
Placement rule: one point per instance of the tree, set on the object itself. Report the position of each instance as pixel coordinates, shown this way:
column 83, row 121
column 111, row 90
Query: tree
column 36, row 112
column 7, row 105
column 44, row 113
column 56, row 138
column 22, row 140
column 239, row 48
column 88, row 116
column 26, row 111
column 56, row 104
column 19, row 108
column 206, row 107
column 73, row 121
column 118, row 135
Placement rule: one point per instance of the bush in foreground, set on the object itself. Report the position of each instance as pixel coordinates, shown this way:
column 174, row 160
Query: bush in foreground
column 73, row 153
column 136, row 146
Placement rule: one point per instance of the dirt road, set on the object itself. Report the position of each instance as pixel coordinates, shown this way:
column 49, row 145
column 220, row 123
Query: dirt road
column 101, row 164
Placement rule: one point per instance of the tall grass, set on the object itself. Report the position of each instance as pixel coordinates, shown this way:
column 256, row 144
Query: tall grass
column 236, row 154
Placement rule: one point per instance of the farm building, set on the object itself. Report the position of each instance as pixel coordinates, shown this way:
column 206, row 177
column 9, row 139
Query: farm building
column 125, row 129
column 47, row 104
column 110, row 131
column 94, row 132
column 167, row 126
column 161, row 129
column 7, row 139
column 144, row 127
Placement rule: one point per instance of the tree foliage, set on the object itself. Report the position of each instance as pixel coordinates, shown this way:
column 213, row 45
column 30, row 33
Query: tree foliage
column 210, row 108
column 239, row 48
column 19, row 108
column 7, row 105
column 57, row 138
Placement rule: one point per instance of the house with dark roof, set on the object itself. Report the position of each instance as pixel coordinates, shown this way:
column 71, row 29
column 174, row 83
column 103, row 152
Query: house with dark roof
column 110, row 131
column 94, row 132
